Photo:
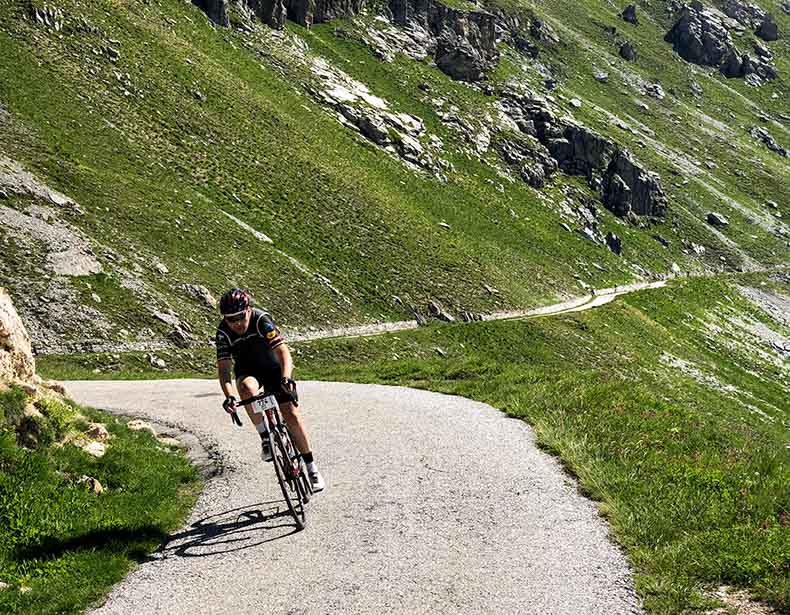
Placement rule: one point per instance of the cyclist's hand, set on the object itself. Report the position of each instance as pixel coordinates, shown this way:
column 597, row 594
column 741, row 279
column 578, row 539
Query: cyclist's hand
column 288, row 387
column 229, row 405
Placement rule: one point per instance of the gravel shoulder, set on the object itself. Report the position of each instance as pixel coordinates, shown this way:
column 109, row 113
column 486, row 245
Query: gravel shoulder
column 434, row 504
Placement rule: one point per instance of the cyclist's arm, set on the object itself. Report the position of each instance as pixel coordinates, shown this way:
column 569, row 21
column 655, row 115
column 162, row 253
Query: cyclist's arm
column 284, row 354
column 225, row 375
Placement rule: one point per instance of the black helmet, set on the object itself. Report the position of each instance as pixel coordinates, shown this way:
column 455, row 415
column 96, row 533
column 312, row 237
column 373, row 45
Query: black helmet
column 234, row 301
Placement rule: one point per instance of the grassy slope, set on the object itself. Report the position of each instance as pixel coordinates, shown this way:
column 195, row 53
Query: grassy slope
column 61, row 546
column 153, row 166
column 343, row 208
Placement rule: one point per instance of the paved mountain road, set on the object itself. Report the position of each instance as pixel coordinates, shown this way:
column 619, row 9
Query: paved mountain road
column 434, row 504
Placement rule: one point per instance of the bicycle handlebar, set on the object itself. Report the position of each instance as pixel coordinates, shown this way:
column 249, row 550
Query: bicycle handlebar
column 249, row 400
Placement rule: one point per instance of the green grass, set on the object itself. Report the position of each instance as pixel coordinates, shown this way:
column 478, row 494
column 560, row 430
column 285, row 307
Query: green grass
column 61, row 546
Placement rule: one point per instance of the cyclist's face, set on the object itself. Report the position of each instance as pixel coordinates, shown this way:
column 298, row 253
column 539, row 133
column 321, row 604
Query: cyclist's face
column 240, row 326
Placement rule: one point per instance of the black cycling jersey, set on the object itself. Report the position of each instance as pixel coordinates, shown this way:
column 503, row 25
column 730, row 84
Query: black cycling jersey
column 252, row 351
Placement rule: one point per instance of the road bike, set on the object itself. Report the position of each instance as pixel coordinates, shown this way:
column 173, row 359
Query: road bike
column 288, row 463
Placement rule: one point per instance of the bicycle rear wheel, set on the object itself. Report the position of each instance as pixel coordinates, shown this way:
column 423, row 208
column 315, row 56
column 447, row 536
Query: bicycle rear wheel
column 288, row 478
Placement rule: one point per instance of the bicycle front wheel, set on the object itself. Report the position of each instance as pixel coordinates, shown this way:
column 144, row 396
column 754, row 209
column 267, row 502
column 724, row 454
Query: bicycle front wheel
column 286, row 476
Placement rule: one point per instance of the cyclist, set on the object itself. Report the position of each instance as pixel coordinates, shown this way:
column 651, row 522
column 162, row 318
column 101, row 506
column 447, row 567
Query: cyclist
column 250, row 346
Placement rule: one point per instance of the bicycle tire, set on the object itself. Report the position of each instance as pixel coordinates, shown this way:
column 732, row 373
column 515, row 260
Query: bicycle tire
column 292, row 490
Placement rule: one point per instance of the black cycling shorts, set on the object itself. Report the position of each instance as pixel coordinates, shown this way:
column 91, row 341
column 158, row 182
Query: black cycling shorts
column 268, row 380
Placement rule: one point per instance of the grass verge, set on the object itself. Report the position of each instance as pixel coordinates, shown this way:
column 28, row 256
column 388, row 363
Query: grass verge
column 62, row 545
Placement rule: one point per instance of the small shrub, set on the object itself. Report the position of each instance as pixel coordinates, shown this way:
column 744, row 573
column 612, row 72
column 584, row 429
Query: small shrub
column 60, row 414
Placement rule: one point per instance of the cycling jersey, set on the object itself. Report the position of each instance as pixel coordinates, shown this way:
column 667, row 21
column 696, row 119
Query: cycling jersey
column 253, row 351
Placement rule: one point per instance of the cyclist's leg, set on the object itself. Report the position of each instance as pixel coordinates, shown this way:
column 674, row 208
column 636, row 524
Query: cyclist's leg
column 247, row 387
column 293, row 418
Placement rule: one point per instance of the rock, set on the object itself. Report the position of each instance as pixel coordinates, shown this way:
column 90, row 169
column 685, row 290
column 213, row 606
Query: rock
column 96, row 449
column 601, row 76
column 749, row 15
column 169, row 441
column 156, row 362
column 140, row 425
column 92, row 483
column 98, row 432
column 4, row 585
column 768, row 30
column 763, row 135
column 716, row 219
column 576, row 103
column 786, row 7
column 676, row 268
column 161, row 268
column 629, row 15
column 465, row 40
column 440, row 352
column 655, row 90
column 216, row 10
column 456, row 57
column 647, row 198
column 374, row 128
column 772, row 204
column 202, row 293
column 662, row 240
column 627, row 52
column 614, row 243
column 436, row 311
column 16, row 353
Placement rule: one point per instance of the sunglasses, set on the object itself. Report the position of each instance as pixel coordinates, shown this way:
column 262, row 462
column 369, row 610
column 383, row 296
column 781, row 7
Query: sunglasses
column 238, row 317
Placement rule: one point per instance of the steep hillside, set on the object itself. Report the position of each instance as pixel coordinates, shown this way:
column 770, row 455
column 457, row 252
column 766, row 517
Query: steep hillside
column 485, row 158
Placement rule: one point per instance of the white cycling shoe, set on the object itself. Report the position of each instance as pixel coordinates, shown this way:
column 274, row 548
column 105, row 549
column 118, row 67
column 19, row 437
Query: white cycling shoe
column 316, row 480
column 266, row 452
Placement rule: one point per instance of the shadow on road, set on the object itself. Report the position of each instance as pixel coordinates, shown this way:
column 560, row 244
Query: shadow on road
column 231, row 530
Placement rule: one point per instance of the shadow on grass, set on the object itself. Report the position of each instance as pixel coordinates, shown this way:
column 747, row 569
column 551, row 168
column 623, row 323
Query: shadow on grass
column 232, row 530
column 225, row 532
column 136, row 541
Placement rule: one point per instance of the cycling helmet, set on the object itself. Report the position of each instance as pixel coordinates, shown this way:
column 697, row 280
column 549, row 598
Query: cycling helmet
column 234, row 301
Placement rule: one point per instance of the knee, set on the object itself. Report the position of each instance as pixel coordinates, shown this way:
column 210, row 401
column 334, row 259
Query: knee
column 289, row 411
column 246, row 390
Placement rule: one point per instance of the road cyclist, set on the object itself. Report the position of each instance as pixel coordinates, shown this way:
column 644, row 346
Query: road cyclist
column 253, row 356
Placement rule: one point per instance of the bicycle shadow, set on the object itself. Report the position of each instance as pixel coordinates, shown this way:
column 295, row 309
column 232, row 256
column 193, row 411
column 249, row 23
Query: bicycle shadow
column 231, row 530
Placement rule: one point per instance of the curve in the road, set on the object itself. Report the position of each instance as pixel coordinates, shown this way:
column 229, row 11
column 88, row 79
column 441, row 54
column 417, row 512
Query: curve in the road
column 434, row 504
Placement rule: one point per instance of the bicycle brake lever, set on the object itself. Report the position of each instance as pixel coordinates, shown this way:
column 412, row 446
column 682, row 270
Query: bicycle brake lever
column 235, row 418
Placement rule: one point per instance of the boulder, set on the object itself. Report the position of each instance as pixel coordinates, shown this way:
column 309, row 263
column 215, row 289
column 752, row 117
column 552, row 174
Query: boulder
column 647, row 196
column 614, row 243
column 627, row 52
column 749, row 15
column 716, row 219
column 629, row 15
column 768, row 30
column 456, row 57
column 465, row 40
column 436, row 311
column 16, row 353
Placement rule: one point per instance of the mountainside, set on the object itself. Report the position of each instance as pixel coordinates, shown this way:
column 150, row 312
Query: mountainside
column 483, row 157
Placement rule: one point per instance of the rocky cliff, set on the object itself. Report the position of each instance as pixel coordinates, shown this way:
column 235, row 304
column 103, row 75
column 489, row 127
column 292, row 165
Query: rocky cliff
column 16, row 356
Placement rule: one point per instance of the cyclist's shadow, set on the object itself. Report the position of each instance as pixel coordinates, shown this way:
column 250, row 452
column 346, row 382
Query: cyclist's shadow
column 231, row 530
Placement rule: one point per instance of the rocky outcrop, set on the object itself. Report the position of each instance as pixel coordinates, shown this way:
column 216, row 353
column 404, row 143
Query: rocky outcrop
column 216, row 10
column 700, row 36
column 626, row 188
column 749, row 15
column 16, row 354
column 466, row 41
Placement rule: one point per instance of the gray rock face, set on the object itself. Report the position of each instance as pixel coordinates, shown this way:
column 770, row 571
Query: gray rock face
column 614, row 243
column 626, row 188
column 216, row 10
column 466, row 41
column 749, row 15
column 700, row 36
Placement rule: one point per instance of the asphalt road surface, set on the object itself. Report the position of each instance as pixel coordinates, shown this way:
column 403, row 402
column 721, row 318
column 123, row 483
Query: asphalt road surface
column 434, row 504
